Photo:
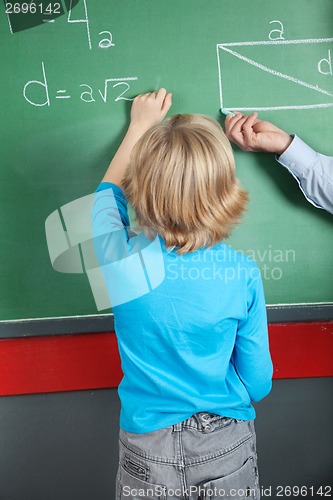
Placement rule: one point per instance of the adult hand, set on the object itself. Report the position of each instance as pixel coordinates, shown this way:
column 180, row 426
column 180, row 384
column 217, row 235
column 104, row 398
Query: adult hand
column 251, row 134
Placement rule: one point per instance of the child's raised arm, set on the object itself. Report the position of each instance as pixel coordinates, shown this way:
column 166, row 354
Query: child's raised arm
column 147, row 110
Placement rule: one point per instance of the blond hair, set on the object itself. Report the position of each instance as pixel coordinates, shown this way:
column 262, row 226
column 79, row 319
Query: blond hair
column 181, row 182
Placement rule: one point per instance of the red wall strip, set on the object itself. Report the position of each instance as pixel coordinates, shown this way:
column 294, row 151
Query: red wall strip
column 302, row 349
column 59, row 363
column 91, row 361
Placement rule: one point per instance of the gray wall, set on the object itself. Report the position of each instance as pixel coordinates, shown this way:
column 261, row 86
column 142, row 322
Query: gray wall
column 64, row 446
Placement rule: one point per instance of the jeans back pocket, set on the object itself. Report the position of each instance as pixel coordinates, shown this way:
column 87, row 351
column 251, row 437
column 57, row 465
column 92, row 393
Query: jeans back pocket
column 241, row 485
column 134, row 488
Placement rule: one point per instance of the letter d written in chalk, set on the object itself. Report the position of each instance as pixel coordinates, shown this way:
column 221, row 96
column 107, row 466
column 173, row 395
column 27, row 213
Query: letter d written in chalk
column 42, row 84
column 328, row 65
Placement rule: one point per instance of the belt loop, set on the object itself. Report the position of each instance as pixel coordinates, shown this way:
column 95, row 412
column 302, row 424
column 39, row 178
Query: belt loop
column 177, row 427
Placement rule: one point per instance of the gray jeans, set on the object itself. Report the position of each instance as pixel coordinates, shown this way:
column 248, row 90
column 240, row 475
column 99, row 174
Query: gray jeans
column 204, row 457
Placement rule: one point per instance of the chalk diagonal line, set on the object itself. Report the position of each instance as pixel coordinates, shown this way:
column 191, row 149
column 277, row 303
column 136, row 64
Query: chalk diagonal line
column 276, row 73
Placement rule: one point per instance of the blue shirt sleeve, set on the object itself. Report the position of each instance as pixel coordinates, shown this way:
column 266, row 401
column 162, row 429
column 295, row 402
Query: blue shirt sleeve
column 110, row 224
column 313, row 172
column 251, row 353
column 110, row 197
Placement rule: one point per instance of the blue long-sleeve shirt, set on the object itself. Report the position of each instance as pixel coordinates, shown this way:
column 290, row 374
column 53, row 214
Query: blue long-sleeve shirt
column 313, row 172
column 191, row 329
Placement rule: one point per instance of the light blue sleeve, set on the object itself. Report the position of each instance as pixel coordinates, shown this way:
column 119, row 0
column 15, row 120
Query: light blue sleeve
column 110, row 199
column 130, row 262
column 110, row 223
column 313, row 172
column 252, row 358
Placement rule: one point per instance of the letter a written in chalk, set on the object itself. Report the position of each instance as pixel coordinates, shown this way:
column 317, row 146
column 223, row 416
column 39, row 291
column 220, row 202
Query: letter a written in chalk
column 277, row 34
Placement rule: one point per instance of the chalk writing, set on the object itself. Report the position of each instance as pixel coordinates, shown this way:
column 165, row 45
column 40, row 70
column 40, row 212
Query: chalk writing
column 278, row 32
column 226, row 47
column 34, row 10
column 325, row 62
column 105, row 43
column 42, row 84
column 36, row 92
column 84, row 20
column 61, row 96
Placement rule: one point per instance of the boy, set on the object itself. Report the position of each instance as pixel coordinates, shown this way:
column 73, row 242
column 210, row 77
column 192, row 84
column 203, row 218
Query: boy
column 194, row 345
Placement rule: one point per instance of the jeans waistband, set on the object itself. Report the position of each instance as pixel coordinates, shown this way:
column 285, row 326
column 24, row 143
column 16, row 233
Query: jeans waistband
column 203, row 421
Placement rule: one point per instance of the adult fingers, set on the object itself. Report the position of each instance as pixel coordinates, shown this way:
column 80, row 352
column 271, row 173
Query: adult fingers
column 234, row 129
column 248, row 133
column 233, row 124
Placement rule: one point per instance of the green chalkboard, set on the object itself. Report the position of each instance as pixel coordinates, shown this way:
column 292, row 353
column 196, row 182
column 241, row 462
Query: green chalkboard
column 67, row 72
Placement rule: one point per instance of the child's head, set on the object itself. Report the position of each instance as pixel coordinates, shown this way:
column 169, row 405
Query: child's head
column 181, row 182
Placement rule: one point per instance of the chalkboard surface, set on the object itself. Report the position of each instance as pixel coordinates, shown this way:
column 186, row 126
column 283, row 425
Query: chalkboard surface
column 68, row 71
